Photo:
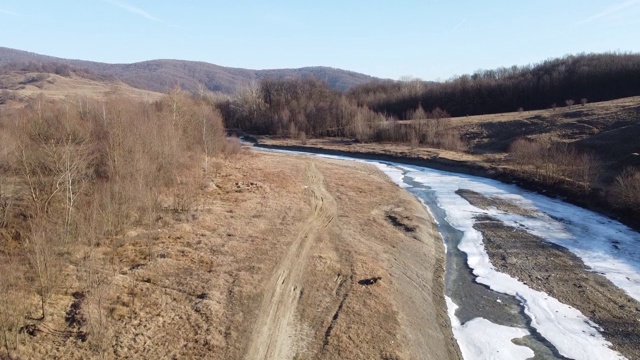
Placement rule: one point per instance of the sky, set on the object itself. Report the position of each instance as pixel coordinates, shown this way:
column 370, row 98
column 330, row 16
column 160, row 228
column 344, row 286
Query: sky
column 430, row 39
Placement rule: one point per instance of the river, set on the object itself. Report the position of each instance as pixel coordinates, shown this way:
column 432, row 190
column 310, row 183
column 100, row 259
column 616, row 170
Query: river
column 494, row 315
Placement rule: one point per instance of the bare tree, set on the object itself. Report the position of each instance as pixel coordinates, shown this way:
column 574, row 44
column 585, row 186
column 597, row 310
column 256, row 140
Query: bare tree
column 6, row 203
column 41, row 248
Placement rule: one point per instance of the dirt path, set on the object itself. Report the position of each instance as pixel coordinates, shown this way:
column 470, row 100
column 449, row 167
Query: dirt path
column 275, row 336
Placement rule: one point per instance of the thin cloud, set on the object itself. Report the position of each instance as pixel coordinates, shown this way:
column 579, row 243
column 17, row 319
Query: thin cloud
column 459, row 24
column 611, row 10
column 133, row 9
column 8, row 12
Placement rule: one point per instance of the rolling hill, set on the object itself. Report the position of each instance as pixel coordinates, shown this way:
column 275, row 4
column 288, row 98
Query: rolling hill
column 161, row 75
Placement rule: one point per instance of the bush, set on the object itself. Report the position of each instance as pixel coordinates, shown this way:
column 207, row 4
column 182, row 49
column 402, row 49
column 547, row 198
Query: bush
column 549, row 161
column 626, row 189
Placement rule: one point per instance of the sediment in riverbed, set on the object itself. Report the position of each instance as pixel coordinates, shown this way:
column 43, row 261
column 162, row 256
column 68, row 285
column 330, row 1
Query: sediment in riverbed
column 558, row 272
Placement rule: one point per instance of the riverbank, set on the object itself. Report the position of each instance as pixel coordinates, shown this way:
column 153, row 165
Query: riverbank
column 491, row 166
column 279, row 256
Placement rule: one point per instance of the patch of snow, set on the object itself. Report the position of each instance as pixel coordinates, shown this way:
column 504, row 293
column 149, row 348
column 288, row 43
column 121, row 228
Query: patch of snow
column 479, row 338
column 573, row 334
column 394, row 173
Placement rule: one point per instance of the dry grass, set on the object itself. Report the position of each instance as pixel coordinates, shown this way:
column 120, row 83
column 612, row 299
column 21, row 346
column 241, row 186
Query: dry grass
column 191, row 285
column 626, row 188
column 20, row 87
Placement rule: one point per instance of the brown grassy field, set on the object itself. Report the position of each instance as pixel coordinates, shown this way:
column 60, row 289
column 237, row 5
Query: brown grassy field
column 119, row 241
column 16, row 88
column 274, row 260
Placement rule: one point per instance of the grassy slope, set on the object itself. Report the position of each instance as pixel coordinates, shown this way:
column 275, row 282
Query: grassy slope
column 606, row 129
column 16, row 88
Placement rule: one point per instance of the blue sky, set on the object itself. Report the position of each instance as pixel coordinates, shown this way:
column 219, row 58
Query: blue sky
column 432, row 40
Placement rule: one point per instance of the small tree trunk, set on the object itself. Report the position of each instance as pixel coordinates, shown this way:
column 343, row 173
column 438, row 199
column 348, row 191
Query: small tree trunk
column 204, row 142
column 6, row 344
column 42, row 303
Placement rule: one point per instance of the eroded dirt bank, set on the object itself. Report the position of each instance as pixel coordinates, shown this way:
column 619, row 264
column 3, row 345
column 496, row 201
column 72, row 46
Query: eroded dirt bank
column 279, row 257
column 561, row 274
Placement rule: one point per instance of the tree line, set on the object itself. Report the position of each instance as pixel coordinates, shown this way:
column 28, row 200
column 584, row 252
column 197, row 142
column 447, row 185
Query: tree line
column 556, row 82
column 302, row 108
column 298, row 107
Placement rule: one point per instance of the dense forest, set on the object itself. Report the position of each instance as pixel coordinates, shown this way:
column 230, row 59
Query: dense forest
column 556, row 82
column 297, row 107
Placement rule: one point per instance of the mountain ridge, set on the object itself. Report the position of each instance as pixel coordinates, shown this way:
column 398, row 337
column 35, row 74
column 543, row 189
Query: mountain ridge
column 163, row 74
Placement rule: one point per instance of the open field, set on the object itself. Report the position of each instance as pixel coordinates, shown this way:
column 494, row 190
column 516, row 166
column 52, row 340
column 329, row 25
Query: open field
column 16, row 88
column 280, row 256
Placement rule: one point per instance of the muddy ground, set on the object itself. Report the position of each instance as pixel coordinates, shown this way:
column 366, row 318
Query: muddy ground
column 561, row 274
column 279, row 257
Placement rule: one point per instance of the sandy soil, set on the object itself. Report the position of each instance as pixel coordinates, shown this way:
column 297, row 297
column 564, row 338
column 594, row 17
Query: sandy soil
column 280, row 257
column 558, row 272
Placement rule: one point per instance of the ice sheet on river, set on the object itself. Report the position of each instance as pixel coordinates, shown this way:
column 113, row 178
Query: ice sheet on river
column 587, row 234
column 481, row 339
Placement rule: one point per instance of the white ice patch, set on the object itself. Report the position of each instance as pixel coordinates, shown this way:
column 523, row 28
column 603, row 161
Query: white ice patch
column 394, row 173
column 479, row 338
column 573, row 334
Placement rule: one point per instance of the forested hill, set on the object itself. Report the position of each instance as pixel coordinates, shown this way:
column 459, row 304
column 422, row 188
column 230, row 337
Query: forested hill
column 162, row 75
column 556, row 82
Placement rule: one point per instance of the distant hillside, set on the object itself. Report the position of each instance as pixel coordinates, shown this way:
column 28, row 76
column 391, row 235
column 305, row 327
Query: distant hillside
column 555, row 82
column 17, row 88
column 161, row 75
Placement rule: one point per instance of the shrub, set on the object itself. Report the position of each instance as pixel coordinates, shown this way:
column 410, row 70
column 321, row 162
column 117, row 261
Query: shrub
column 549, row 161
column 626, row 189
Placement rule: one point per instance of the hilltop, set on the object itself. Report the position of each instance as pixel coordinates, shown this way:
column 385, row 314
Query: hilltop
column 161, row 75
